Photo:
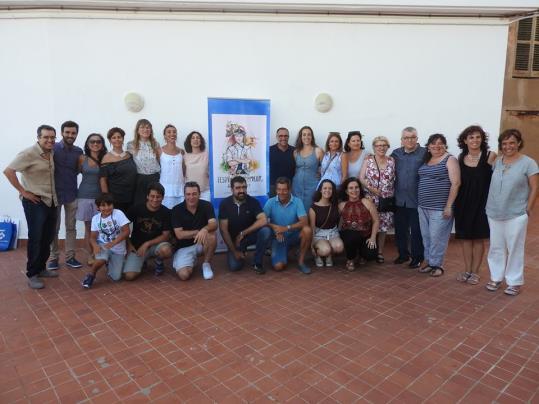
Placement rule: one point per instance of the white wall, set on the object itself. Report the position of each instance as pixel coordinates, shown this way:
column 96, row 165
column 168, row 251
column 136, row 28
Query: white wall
column 437, row 77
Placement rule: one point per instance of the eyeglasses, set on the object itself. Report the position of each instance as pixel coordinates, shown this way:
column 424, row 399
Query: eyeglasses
column 409, row 137
column 381, row 145
column 95, row 142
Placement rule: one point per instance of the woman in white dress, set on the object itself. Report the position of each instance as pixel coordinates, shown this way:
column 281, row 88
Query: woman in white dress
column 172, row 168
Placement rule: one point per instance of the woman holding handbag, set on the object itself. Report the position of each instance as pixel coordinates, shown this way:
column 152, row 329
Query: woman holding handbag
column 377, row 176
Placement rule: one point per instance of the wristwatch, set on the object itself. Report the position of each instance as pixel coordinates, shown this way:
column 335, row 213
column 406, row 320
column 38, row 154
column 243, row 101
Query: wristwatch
column 288, row 227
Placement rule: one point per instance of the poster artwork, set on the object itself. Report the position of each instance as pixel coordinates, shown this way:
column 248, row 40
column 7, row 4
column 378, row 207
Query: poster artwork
column 239, row 149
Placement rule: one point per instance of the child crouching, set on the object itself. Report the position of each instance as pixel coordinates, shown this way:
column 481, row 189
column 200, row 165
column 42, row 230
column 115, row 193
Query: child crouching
column 109, row 230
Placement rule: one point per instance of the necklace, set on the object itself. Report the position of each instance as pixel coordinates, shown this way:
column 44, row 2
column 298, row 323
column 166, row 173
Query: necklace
column 122, row 154
column 474, row 159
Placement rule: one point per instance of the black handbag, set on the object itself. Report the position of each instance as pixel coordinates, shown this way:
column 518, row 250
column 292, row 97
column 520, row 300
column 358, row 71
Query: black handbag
column 384, row 204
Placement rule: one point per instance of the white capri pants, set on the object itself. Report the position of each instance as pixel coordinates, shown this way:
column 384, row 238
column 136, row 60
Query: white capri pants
column 506, row 252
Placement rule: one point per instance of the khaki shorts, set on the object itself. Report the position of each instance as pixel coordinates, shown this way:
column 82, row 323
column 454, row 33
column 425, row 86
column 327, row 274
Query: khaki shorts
column 187, row 257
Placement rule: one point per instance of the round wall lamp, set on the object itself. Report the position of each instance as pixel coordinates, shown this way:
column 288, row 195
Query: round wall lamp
column 134, row 102
column 323, row 102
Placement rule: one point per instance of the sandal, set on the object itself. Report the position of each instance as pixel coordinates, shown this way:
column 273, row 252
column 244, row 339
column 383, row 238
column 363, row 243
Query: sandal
column 436, row 272
column 380, row 259
column 512, row 290
column 350, row 266
column 425, row 269
column 463, row 276
column 493, row 286
column 473, row 279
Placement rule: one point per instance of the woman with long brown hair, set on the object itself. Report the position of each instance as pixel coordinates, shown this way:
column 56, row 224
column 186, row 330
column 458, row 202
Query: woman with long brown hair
column 308, row 156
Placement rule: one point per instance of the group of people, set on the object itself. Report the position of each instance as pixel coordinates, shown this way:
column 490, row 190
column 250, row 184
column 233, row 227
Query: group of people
column 152, row 201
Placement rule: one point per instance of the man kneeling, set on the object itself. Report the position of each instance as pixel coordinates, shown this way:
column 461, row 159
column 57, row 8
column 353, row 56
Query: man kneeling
column 288, row 221
column 194, row 225
column 243, row 223
column 151, row 233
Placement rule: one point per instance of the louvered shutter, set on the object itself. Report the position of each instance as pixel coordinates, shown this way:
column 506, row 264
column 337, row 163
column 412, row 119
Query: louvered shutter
column 527, row 48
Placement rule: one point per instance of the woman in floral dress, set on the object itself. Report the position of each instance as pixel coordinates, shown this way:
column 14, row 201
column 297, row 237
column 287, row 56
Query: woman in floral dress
column 378, row 179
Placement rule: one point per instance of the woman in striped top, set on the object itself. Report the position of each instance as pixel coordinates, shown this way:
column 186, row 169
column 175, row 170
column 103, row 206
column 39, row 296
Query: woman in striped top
column 439, row 182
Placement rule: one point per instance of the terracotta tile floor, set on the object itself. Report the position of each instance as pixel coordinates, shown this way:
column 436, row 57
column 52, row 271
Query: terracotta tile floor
column 383, row 333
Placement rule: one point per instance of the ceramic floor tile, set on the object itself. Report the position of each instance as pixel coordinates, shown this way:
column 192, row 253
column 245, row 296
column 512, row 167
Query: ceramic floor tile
column 381, row 334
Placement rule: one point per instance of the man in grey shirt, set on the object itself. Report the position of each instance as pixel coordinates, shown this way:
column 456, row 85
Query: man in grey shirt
column 408, row 159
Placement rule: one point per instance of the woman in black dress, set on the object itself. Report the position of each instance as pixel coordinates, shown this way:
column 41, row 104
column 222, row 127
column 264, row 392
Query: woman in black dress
column 471, row 224
column 118, row 171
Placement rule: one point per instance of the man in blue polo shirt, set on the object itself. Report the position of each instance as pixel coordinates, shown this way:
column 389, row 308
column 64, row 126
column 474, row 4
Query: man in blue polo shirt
column 243, row 223
column 66, row 169
column 282, row 161
column 288, row 221
column 408, row 159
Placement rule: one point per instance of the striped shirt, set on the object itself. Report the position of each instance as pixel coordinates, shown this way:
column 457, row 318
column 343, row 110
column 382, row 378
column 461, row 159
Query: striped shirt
column 434, row 185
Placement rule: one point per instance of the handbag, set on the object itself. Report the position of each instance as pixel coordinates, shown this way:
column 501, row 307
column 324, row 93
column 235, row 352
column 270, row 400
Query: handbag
column 385, row 204
column 8, row 234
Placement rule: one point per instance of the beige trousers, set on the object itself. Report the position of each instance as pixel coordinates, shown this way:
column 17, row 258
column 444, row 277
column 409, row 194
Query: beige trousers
column 70, row 209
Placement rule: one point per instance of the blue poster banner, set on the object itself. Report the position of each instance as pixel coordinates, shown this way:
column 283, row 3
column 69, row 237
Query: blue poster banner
column 239, row 136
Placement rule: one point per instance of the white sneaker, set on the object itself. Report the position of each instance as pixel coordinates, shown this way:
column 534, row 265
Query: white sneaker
column 207, row 273
column 318, row 261
column 329, row 261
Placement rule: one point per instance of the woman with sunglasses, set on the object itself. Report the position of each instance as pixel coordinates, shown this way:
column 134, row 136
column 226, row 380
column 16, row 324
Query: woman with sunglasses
column 89, row 189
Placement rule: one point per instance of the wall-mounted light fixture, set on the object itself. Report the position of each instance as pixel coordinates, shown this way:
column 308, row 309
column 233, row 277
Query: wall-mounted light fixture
column 134, row 101
column 323, row 102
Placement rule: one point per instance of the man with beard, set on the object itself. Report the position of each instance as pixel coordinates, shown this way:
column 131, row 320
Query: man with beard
column 66, row 169
column 243, row 223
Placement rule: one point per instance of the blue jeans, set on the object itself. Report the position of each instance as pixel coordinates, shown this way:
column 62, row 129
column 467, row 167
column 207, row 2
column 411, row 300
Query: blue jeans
column 279, row 249
column 41, row 222
column 260, row 239
column 435, row 230
column 408, row 233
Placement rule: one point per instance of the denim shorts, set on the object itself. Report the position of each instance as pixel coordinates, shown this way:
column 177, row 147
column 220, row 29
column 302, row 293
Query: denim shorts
column 114, row 262
column 325, row 234
column 134, row 263
column 279, row 250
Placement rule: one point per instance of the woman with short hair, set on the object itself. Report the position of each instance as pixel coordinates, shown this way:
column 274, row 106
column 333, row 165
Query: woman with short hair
column 511, row 197
column 439, row 182
column 377, row 176
column 118, row 171
column 471, row 224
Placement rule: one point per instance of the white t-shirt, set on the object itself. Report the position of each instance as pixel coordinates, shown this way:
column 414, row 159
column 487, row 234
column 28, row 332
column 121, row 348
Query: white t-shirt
column 109, row 228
